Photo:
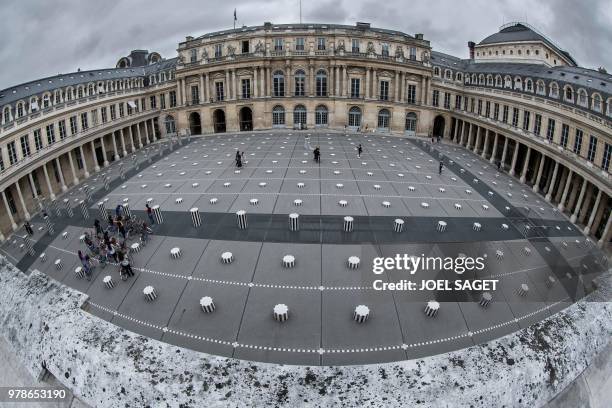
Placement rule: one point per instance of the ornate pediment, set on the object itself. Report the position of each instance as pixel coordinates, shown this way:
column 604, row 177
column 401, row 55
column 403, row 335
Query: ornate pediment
column 386, row 74
column 356, row 70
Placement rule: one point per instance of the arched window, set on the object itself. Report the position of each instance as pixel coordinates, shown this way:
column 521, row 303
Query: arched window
column 448, row 74
column 383, row 119
column 7, row 115
column 46, row 101
column 582, row 98
column 474, row 79
column 278, row 116
column 597, row 103
column 57, row 97
column 436, row 71
column 354, row 117
column 299, row 116
column 554, row 90
column 481, row 79
column 569, row 94
column 529, row 85
column 20, row 110
column 321, row 85
column 170, row 124
column 278, row 83
column 321, row 116
column 411, row 120
column 489, row 80
column 467, row 79
column 90, row 90
column 540, row 88
column 459, row 76
column 80, row 92
column 507, row 82
column 300, row 83
column 498, row 81
column 518, row 83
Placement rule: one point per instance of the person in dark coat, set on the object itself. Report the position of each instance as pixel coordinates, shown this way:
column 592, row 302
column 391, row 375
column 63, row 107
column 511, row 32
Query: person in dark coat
column 440, row 167
column 359, row 150
column 28, row 228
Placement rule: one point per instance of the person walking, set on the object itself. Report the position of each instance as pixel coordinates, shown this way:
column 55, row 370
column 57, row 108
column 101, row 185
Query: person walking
column 440, row 167
column 111, row 252
column 150, row 214
column 359, row 150
column 121, row 229
column 98, row 228
column 28, row 228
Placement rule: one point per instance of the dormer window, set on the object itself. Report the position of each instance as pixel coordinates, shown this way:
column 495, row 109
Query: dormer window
column 385, row 50
column 194, row 55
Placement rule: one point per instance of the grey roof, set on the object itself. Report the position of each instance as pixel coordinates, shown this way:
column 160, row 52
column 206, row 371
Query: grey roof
column 162, row 65
column 521, row 32
column 305, row 26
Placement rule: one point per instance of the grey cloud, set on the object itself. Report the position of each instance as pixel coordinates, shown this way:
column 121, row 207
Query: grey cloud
column 42, row 38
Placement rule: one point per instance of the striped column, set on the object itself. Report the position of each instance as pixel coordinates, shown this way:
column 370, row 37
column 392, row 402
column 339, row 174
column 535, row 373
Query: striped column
column 348, row 224
column 55, row 207
column 157, row 214
column 84, row 210
column 195, row 217
column 102, row 209
column 126, row 210
column 241, row 219
column 294, row 222
column 68, row 208
column 49, row 225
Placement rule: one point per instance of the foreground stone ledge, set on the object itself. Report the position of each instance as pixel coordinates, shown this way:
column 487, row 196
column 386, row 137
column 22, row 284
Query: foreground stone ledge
column 105, row 365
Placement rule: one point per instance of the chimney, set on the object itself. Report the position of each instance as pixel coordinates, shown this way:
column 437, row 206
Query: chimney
column 418, row 36
column 471, row 46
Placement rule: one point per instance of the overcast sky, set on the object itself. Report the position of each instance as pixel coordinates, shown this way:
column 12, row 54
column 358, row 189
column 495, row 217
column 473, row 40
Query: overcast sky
column 46, row 37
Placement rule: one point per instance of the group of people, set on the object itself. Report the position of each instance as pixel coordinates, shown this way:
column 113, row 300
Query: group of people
column 110, row 244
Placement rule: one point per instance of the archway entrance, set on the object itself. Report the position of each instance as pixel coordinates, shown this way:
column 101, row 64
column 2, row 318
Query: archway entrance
column 438, row 127
column 219, row 120
column 195, row 125
column 246, row 119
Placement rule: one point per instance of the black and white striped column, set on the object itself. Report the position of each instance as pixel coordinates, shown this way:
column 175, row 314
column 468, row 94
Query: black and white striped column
column 68, row 208
column 157, row 214
column 88, row 191
column 241, row 219
column 207, row 304
column 195, row 217
column 348, row 224
column 294, row 222
column 29, row 245
column 55, row 207
column 84, row 210
column 398, row 225
column 126, row 210
column 102, row 209
column 49, row 225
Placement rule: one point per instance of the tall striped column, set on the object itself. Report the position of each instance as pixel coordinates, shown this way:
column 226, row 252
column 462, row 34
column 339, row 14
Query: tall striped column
column 294, row 222
column 157, row 214
column 84, row 209
column 241, row 219
column 68, row 208
column 195, row 217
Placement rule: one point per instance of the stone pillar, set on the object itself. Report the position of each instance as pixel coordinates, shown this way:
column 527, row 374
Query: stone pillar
column 138, row 136
column 568, row 181
column 536, row 185
column 585, row 205
column 255, row 83
column 494, row 152
column 605, row 237
column 85, row 169
column 8, row 211
column 93, row 155
column 51, row 194
column 268, row 80
column 396, row 85
column 477, row 142
column 32, row 185
column 504, row 152
column 123, row 149
column 514, row 157
column 227, row 86
column 485, row 148
column 153, row 129
column 374, row 84
column 579, row 202
column 115, row 145
column 589, row 225
column 552, row 182
column 367, row 83
column 75, row 179
column 61, row 174
column 26, row 213
column 345, row 81
column 202, row 93
column 234, row 85
column 525, row 165
column 463, row 127
column 207, row 87
column 456, row 130
column 104, row 151
column 131, row 139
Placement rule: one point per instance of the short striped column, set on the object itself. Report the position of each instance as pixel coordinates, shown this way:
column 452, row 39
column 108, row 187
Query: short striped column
column 241, row 219
column 88, row 191
column 361, row 313
column 58, row 264
column 157, row 214
column 348, row 224
column 42, row 257
column 68, row 207
column 126, row 210
column 135, row 160
column 485, row 299
column 109, row 282
column 29, row 244
column 79, row 272
column 353, row 262
column 55, row 208
column 102, row 209
column 84, row 210
column 294, row 222
column 49, row 225
column 281, row 312
column 106, row 183
column 149, row 293
column 121, row 172
column 195, row 217
column 398, row 225
column 432, row 308
column 207, row 304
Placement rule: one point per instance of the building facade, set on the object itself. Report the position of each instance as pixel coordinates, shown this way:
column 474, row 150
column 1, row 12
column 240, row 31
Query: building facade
column 519, row 101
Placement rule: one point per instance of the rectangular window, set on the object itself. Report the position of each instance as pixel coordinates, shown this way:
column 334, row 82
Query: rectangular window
column 550, row 131
column 479, row 107
column 38, row 139
column 526, row 118
column 436, row 96
column 246, row 88
column 218, row 50
column 12, row 152
column 413, row 53
column 173, row 99
column 121, row 110
column 515, row 117
column 1, row 161
column 472, row 105
column 104, row 114
column 195, row 94
column 505, row 114
column 457, row 101
column 321, row 44
column 607, row 155
column 84, row 123
column 73, row 125
column 578, row 141
column 245, row 47
column 113, row 112
column 79, row 158
column 411, row 94
column 153, row 101
column 355, row 46
column 278, row 44
column 321, row 85
column 385, row 50
column 384, row 90
column 537, row 125
column 300, row 85
column 219, row 90
column 162, row 101
column 61, row 125
column 488, row 109
column 496, row 111
column 465, row 103
column 447, row 100
column 564, row 135
column 129, row 109
column 592, row 148
column 94, row 117
column 299, row 44
column 355, row 87
column 50, row 130
column 25, row 145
